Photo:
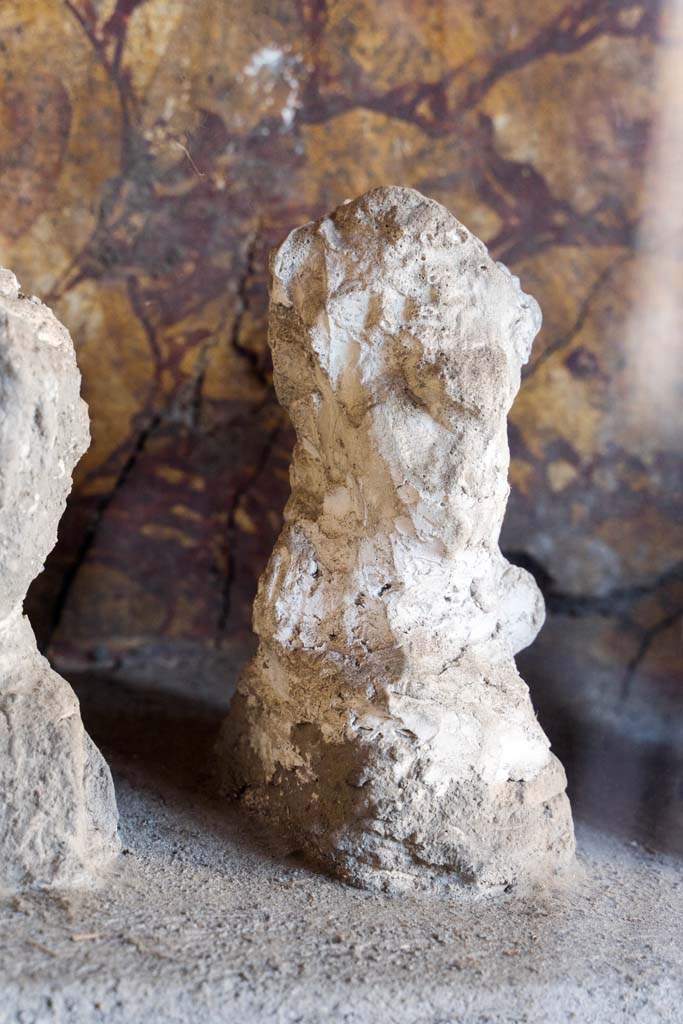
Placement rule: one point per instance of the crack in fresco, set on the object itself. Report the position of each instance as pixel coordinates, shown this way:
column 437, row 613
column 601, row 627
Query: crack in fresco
column 562, row 341
column 91, row 531
column 647, row 640
column 242, row 307
column 238, row 496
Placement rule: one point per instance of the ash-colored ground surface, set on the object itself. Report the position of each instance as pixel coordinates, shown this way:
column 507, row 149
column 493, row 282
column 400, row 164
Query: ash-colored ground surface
column 203, row 920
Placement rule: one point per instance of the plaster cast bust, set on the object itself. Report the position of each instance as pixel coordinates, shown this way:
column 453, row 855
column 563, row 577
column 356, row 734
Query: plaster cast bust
column 57, row 810
column 382, row 723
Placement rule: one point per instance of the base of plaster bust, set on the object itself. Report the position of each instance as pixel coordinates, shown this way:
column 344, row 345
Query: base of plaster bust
column 361, row 803
column 58, row 815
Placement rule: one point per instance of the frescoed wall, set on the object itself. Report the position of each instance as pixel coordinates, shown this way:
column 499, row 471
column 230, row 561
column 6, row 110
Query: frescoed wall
column 153, row 151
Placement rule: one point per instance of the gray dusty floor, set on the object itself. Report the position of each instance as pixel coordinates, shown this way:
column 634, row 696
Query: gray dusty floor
column 202, row 920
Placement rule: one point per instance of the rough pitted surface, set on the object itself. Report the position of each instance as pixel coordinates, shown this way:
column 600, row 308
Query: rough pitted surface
column 382, row 722
column 57, row 809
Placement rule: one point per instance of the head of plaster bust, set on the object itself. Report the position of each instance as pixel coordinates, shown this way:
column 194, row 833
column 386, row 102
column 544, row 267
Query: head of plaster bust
column 373, row 286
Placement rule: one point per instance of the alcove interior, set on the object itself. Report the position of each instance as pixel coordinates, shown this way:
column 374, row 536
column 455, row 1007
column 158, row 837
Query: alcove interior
column 151, row 154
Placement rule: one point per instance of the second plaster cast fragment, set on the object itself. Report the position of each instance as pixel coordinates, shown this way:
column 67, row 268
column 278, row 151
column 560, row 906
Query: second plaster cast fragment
column 58, row 815
column 382, row 722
